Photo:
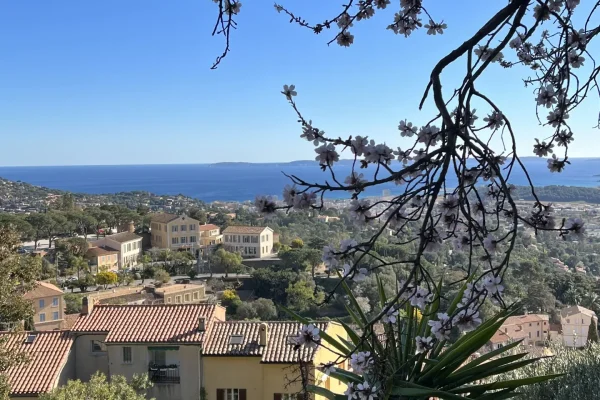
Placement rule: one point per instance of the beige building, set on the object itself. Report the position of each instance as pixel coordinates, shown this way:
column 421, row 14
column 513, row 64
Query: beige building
column 210, row 237
column 261, row 362
column 575, row 322
column 102, row 258
column 128, row 244
column 533, row 329
column 249, row 241
column 51, row 362
column 169, row 294
column 170, row 231
column 48, row 305
column 164, row 341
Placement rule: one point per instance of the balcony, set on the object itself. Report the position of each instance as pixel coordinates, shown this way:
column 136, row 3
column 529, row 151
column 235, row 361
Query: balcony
column 164, row 373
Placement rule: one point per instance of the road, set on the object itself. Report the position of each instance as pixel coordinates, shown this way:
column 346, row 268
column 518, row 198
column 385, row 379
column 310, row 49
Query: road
column 138, row 283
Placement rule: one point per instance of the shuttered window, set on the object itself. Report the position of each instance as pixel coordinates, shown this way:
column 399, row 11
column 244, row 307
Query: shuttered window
column 231, row 394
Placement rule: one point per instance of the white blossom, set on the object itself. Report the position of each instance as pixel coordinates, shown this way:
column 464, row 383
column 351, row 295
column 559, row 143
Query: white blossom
column 541, row 12
column 403, row 155
column 467, row 319
column 449, row 205
column 495, row 120
column 344, row 21
column 555, row 165
column 575, row 60
column 564, row 138
column 390, row 316
column 289, row 193
column 360, row 211
column 345, row 39
column 289, row 91
column 311, row 133
column 485, row 52
column 265, row 204
column 347, row 244
column 575, row 226
column 441, row 328
column 326, row 154
column 577, row 39
column 361, row 361
column 493, row 284
column 490, row 244
column 359, row 144
column 428, row 135
column 329, row 258
column 434, row 28
column 304, row 200
column 542, row 149
column 355, row 179
column 516, row 42
column 350, row 392
column 378, row 153
column 421, row 298
column 406, row 129
column 232, row 7
column 381, row 4
column 308, row 336
column 327, row 369
column 546, row 96
column 396, row 218
column 365, row 391
column 424, row 344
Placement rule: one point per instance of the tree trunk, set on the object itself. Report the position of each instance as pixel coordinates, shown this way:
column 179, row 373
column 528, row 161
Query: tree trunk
column 35, row 243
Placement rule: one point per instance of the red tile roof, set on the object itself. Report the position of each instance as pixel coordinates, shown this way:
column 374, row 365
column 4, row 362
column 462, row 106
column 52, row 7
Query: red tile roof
column 99, row 251
column 164, row 218
column 208, row 227
column 521, row 319
column 501, row 337
column 47, row 357
column 43, row 289
column 279, row 349
column 245, row 229
column 158, row 323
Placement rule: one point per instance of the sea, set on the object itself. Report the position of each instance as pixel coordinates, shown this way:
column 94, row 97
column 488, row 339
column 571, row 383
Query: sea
column 244, row 181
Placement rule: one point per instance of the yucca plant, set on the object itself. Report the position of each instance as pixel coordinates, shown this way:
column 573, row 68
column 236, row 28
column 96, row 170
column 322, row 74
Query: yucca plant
column 414, row 358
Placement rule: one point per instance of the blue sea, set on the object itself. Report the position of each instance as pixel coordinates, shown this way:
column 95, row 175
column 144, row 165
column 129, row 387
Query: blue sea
column 242, row 181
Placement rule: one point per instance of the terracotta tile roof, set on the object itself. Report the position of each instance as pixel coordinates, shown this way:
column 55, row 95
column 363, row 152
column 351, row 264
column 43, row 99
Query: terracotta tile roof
column 99, row 251
column 47, row 357
column 177, row 288
column 567, row 312
column 501, row 336
column 245, row 229
column 278, row 348
column 522, row 319
column 69, row 320
column 123, row 237
column 208, row 227
column 43, row 289
column 164, row 218
column 160, row 323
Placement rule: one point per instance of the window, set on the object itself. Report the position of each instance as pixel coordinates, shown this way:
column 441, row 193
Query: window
column 126, row 355
column 55, row 315
column 97, row 346
column 529, row 335
column 183, row 228
column 174, row 228
column 192, row 239
column 297, row 396
column 538, row 324
column 42, row 317
column 196, row 296
column 183, row 239
column 174, row 240
column 55, row 302
column 42, row 303
column 168, row 299
column 254, row 239
column 128, row 246
column 192, row 227
column 187, row 297
column 538, row 333
column 231, row 394
column 178, row 299
column 236, row 339
column 568, row 322
column 530, row 324
column 246, row 239
column 158, row 357
column 582, row 321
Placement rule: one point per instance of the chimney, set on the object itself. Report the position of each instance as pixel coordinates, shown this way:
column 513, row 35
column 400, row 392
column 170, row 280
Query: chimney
column 201, row 324
column 131, row 227
column 87, row 305
column 264, row 334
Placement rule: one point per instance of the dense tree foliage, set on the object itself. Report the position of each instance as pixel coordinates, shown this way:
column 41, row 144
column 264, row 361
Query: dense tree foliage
column 100, row 388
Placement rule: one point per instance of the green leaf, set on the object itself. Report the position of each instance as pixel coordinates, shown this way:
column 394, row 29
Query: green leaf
column 413, row 390
column 346, row 376
column 321, row 391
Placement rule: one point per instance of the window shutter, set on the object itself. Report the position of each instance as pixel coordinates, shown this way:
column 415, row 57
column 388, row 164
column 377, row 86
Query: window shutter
column 277, row 396
column 220, row 394
column 242, row 394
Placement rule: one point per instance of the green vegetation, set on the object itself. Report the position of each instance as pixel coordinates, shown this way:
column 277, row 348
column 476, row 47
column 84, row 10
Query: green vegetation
column 100, row 388
column 226, row 261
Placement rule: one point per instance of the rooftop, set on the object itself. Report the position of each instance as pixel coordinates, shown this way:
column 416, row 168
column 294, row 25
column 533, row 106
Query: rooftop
column 164, row 218
column 245, row 342
column 47, row 352
column 522, row 319
column 123, row 237
column 176, row 288
column 245, row 229
column 208, row 227
column 573, row 310
column 43, row 289
column 99, row 251
column 501, row 336
column 161, row 323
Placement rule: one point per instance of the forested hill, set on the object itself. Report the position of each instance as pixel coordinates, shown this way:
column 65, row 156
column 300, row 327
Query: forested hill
column 561, row 193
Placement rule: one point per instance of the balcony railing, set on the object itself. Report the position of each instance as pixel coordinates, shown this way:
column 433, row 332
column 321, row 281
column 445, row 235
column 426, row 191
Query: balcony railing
column 164, row 373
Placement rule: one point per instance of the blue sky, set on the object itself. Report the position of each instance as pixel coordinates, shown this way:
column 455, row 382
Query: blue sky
column 129, row 82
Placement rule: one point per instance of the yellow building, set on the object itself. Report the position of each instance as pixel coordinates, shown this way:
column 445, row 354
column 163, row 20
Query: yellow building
column 102, row 258
column 170, row 231
column 260, row 360
column 48, row 305
column 531, row 328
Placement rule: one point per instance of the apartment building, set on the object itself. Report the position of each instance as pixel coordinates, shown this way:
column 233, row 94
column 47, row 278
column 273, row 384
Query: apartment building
column 51, row 362
column 533, row 329
column 127, row 244
column 48, row 305
column 249, row 241
column 102, row 258
column 575, row 322
column 261, row 362
column 170, row 231
column 169, row 294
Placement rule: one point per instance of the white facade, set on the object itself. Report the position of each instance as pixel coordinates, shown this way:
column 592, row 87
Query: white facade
column 575, row 322
column 250, row 243
column 128, row 245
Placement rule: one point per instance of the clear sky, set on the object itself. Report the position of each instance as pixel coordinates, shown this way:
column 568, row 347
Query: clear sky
column 128, row 82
